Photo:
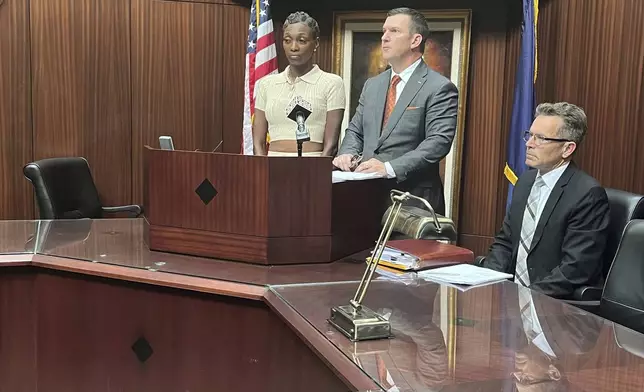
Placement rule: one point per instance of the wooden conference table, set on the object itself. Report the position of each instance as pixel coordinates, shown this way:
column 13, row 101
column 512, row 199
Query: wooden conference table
column 85, row 306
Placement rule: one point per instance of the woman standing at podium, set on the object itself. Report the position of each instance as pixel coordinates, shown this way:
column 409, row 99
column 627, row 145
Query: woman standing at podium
column 322, row 90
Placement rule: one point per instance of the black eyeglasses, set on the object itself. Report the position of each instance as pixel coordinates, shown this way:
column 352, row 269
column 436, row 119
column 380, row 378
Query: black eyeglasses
column 540, row 139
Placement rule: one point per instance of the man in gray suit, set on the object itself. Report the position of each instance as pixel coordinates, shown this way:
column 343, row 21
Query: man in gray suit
column 406, row 117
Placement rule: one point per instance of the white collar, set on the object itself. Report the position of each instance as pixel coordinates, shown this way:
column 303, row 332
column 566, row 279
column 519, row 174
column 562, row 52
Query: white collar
column 407, row 72
column 551, row 178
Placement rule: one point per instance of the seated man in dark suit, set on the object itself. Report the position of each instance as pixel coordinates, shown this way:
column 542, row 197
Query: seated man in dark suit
column 554, row 233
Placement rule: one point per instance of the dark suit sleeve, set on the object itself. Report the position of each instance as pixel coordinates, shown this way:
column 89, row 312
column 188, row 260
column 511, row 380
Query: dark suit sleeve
column 583, row 247
column 499, row 257
column 440, row 128
column 353, row 141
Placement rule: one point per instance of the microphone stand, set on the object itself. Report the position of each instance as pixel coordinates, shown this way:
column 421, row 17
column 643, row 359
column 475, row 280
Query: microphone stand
column 301, row 136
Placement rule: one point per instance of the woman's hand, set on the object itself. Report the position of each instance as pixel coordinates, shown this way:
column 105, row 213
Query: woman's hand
column 332, row 132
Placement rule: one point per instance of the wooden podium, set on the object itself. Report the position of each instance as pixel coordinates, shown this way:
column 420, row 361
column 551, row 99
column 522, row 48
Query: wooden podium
column 256, row 209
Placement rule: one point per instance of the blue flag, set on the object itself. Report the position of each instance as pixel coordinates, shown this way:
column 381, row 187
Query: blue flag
column 524, row 101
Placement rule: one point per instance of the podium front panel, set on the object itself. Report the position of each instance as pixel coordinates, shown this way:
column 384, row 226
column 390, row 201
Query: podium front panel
column 265, row 210
column 204, row 191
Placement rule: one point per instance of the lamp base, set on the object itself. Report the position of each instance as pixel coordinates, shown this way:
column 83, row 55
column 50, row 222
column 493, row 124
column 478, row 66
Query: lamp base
column 362, row 324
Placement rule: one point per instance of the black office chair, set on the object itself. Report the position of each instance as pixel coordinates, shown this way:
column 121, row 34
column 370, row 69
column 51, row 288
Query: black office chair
column 624, row 207
column 65, row 189
column 622, row 300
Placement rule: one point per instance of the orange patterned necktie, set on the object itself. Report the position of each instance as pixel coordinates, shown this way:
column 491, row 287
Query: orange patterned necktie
column 391, row 99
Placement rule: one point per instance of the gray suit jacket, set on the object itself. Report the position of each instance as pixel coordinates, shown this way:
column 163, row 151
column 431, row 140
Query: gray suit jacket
column 418, row 135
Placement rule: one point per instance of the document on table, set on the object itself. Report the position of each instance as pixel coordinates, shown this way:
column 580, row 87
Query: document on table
column 466, row 275
column 386, row 273
column 397, row 259
column 342, row 176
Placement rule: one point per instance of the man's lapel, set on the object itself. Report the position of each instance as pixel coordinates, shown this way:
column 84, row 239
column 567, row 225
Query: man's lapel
column 379, row 100
column 412, row 87
column 555, row 195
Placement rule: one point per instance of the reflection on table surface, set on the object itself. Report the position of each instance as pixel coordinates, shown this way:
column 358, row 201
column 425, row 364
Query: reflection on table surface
column 17, row 236
column 478, row 340
column 493, row 338
column 123, row 242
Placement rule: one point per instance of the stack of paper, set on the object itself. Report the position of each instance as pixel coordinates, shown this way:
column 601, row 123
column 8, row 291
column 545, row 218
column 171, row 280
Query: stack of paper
column 465, row 275
column 400, row 276
column 342, row 176
column 397, row 259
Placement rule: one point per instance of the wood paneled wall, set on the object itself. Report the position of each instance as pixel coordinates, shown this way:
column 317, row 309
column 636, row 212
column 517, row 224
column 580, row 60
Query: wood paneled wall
column 592, row 55
column 102, row 78
column 15, row 110
column 80, row 53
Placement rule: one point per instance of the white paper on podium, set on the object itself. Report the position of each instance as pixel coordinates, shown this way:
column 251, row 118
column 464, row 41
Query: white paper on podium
column 342, row 176
column 464, row 274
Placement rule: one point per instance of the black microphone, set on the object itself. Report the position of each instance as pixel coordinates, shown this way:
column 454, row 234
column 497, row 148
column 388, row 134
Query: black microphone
column 299, row 110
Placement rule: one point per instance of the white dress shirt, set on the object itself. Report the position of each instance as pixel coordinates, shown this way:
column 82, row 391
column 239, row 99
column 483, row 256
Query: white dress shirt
column 404, row 78
column 550, row 179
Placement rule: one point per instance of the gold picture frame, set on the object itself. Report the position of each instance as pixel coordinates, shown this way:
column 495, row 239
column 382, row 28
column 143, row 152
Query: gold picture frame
column 357, row 56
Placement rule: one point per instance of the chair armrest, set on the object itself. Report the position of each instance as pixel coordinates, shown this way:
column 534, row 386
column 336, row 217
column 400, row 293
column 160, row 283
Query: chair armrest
column 586, row 298
column 479, row 260
column 587, row 293
column 588, row 306
column 135, row 210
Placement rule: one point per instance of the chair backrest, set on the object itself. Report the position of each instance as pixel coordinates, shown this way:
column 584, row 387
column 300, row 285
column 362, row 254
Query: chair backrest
column 64, row 188
column 623, row 296
column 624, row 206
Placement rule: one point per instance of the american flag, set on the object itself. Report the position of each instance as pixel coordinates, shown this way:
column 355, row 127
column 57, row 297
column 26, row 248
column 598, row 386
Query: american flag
column 261, row 60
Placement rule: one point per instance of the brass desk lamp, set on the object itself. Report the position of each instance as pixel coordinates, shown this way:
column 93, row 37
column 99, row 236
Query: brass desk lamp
column 421, row 224
column 355, row 321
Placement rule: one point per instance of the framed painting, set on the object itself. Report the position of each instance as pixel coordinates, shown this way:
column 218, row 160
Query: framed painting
column 357, row 56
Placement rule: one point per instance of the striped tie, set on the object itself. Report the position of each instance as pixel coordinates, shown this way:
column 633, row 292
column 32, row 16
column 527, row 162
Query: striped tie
column 525, row 301
column 527, row 232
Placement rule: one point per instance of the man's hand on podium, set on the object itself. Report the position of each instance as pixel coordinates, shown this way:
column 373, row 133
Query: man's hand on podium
column 344, row 162
column 372, row 166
